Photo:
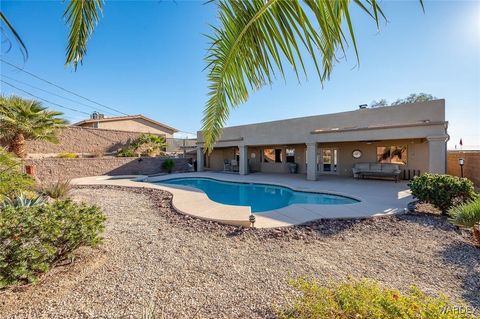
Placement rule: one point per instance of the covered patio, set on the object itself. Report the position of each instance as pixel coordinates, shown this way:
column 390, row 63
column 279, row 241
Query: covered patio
column 412, row 137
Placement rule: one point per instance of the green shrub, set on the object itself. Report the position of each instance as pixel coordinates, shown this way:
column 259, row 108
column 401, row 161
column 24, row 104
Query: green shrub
column 67, row 155
column 13, row 181
column 32, row 239
column 366, row 299
column 56, row 190
column 125, row 152
column 145, row 145
column 442, row 191
column 149, row 145
column 168, row 165
column 468, row 215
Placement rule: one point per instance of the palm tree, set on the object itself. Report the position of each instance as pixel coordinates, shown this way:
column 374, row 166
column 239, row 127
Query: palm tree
column 22, row 119
column 255, row 40
column 149, row 144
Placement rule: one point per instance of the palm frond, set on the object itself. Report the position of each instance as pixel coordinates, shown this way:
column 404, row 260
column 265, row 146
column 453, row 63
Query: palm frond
column 257, row 37
column 82, row 17
column 22, row 46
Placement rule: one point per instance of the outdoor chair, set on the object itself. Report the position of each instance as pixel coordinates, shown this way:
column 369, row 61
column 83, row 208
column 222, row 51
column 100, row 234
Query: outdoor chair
column 226, row 165
column 234, row 165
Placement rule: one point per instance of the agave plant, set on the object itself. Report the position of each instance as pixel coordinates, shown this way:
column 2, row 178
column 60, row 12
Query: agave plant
column 468, row 215
column 23, row 201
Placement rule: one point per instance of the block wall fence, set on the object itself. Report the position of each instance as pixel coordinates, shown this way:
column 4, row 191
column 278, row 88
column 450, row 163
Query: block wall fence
column 471, row 169
column 64, row 168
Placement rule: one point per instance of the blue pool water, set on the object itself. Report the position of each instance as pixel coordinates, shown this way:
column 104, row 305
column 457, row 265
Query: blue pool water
column 259, row 197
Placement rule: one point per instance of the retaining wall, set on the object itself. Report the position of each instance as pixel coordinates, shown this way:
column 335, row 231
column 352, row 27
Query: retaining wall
column 62, row 168
column 75, row 139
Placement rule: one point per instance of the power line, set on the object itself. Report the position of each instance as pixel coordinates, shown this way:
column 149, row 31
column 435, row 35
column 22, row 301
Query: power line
column 61, row 88
column 45, row 100
column 57, row 95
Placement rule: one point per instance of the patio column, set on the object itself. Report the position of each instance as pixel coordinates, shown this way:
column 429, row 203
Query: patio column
column 437, row 154
column 312, row 161
column 243, row 163
column 199, row 159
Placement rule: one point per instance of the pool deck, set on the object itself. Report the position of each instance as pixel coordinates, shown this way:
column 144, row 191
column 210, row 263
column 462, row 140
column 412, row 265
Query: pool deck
column 377, row 197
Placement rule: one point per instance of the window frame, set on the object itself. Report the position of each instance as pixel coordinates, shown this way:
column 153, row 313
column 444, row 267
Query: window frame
column 277, row 155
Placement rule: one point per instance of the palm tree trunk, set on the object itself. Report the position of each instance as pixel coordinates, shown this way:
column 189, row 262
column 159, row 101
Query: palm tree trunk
column 18, row 145
column 476, row 235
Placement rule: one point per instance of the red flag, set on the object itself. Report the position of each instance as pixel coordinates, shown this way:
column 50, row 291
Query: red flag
column 461, row 142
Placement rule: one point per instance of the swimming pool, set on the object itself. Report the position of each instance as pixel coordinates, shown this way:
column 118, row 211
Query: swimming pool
column 260, row 197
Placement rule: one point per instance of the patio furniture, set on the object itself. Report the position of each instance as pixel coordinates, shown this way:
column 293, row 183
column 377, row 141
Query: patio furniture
column 234, row 164
column 362, row 170
column 293, row 168
column 226, row 165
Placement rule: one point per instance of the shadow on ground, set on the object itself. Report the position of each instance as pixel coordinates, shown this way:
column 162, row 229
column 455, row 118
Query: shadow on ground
column 466, row 257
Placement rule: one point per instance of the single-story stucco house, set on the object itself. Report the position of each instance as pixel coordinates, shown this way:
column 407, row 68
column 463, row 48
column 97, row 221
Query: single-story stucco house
column 130, row 123
column 413, row 136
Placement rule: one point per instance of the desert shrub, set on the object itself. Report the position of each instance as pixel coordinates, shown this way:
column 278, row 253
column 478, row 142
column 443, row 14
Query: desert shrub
column 125, row 152
column 168, row 165
column 468, row 215
column 57, row 190
column 67, row 155
column 366, row 299
column 149, row 144
column 32, row 239
column 145, row 145
column 13, row 181
column 442, row 191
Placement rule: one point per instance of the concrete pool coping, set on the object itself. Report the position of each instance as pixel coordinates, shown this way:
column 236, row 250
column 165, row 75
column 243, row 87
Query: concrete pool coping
column 377, row 198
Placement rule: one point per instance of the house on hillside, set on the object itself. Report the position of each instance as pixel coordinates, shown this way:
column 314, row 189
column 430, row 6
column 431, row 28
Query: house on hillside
column 410, row 137
column 130, row 123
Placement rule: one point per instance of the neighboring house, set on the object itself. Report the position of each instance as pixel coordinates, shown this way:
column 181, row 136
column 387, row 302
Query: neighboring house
column 131, row 123
column 412, row 135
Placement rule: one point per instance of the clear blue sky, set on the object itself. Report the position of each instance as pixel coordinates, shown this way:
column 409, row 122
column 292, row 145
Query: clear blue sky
column 147, row 57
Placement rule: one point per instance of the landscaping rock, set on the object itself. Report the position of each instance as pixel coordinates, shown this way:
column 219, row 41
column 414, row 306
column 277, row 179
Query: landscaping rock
column 157, row 260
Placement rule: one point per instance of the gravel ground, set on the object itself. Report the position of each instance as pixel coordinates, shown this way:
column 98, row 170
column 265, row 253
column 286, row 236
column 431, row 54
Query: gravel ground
column 155, row 258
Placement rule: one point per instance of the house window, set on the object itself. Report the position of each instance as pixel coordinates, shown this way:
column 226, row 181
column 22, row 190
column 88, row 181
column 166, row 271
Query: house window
column 272, row 155
column 392, row 154
column 290, row 155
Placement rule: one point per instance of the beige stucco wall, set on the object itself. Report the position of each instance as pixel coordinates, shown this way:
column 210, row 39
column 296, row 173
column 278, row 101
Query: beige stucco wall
column 258, row 165
column 133, row 125
column 421, row 126
column 216, row 158
column 425, row 119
